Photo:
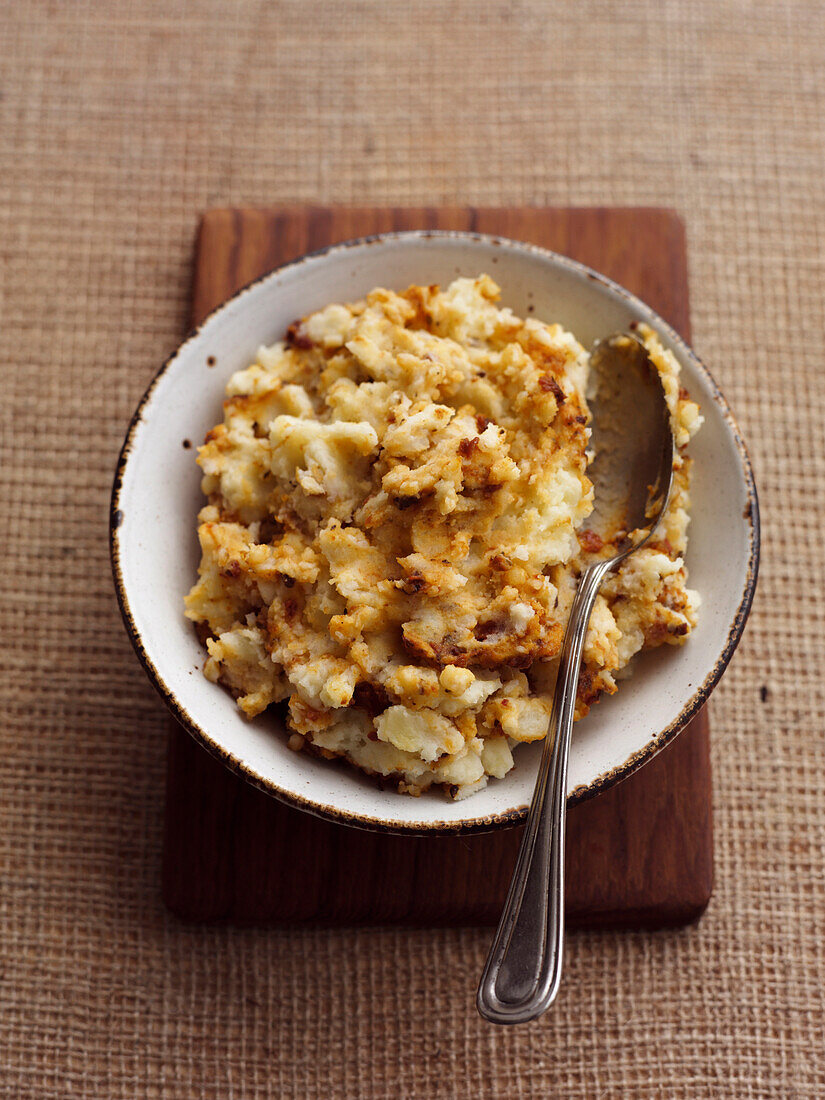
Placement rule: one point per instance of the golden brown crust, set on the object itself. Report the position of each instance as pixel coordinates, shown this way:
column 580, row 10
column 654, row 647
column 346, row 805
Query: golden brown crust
column 391, row 536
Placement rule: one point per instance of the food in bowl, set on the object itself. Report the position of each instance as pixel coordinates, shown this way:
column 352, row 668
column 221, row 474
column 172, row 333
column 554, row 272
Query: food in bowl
column 396, row 522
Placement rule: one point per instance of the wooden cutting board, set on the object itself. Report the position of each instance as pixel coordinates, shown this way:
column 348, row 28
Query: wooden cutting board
column 638, row 855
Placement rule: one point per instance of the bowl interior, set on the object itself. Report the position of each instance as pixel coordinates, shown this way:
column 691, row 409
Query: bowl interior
column 158, row 495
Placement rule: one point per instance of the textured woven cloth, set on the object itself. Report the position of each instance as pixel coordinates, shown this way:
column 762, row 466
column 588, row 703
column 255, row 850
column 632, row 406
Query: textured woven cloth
column 119, row 123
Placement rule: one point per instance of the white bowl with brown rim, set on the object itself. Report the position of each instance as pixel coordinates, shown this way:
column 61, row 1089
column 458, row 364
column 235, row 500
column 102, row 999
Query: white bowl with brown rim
column 156, row 497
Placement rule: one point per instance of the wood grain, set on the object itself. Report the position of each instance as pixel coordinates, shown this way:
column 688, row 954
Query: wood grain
column 638, row 855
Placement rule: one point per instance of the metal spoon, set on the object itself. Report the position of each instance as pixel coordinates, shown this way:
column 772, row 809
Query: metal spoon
column 631, row 472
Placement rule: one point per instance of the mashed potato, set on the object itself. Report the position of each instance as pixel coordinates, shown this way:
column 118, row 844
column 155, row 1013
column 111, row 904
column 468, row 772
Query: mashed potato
column 398, row 497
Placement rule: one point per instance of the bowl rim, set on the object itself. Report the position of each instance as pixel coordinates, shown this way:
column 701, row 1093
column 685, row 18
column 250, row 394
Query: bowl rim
column 508, row 817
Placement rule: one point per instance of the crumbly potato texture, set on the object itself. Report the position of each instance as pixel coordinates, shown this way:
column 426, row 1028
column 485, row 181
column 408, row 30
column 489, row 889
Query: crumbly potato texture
column 396, row 521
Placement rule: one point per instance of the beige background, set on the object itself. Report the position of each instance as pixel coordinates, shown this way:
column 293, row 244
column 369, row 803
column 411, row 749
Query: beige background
column 119, row 122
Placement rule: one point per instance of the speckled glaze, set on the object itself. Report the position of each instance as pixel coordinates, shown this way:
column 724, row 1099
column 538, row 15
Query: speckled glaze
column 156, row 496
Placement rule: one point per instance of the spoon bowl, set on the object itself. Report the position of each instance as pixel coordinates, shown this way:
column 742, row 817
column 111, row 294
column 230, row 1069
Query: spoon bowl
column 631, row 441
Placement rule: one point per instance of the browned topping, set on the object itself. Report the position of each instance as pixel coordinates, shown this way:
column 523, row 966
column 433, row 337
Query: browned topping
column 590, row 541
column 371, row 698
column 520, row 660
column 588, row 689
column 419, row 298
column 467, row 446
column 445, row 652
column 674, row 600
column 549, row 384
column 270, row 529
column 287, row 581
column 404, row 502
column 482, row 422
column 581, row 419
column 656, row 633
column 414, row 583
column 290, row 608
column 492, row 626
column 233, row 569
column 552, row 360
column 296, row 336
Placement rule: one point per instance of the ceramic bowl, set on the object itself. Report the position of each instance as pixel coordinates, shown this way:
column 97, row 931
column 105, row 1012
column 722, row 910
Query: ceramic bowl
column 157, row 495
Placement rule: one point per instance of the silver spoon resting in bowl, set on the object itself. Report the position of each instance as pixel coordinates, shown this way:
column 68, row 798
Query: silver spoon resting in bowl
column 631, row 471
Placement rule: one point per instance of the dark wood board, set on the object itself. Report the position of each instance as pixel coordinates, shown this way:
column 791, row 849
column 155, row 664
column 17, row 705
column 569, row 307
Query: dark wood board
column 638, row 855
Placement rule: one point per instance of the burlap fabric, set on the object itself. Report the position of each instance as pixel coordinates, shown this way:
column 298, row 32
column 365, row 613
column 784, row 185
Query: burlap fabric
column 119, row 122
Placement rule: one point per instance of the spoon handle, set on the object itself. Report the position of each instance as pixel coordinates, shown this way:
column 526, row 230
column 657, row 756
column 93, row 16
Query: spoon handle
column 523, row 969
